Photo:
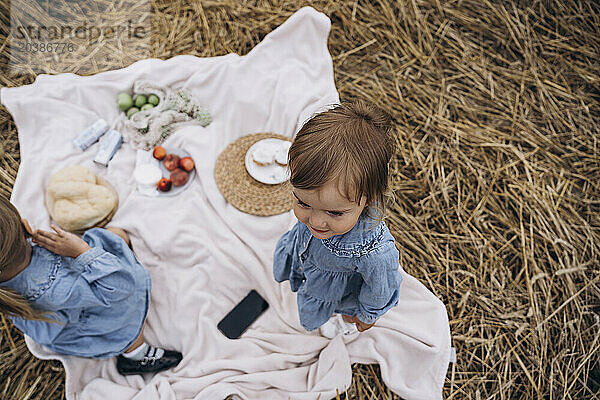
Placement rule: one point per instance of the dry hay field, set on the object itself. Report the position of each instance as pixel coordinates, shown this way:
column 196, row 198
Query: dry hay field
column 497, row 178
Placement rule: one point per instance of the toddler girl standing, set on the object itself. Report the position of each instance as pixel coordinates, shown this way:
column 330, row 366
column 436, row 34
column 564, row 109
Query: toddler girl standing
column 340, row 256
column 86, row 296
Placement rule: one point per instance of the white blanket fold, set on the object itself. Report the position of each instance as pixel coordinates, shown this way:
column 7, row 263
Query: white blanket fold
column 203, row 254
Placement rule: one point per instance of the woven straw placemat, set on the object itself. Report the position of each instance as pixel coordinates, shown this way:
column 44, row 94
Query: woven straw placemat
column 243, row 191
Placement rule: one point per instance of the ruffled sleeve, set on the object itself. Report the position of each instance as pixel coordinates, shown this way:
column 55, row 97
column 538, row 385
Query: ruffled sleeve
column 285, row 259
column 381, row 282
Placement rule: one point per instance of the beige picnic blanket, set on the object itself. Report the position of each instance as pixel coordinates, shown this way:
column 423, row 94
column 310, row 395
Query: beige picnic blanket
column 203, row 254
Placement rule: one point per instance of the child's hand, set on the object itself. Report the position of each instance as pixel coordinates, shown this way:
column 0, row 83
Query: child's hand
column 361, row 326
column 62, row 242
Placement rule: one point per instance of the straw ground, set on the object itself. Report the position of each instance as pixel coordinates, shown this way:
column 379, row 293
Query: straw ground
column 496, row 106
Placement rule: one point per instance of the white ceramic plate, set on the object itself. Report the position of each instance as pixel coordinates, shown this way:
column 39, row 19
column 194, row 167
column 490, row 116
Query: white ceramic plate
column 272, row 174
column 175, row 190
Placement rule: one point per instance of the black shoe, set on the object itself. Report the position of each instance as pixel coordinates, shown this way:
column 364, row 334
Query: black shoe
column 127, row 366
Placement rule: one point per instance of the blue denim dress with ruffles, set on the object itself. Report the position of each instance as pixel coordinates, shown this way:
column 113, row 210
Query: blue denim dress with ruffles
column 356, row 273
column 99, row 299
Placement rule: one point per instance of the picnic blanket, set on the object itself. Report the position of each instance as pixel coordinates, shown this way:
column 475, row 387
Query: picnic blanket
column 204, row 255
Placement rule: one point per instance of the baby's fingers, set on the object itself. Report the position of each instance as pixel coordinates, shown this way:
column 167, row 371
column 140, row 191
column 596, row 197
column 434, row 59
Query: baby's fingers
column 49, row 236
column 59, row 231
column 44, row 241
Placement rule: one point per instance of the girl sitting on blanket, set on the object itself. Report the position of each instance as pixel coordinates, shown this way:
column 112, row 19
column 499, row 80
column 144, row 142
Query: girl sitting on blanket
column 86, row 297
column 340, row 256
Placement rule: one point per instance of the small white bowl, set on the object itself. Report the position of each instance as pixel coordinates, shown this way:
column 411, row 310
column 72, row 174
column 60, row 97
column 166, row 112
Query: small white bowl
column 146, row 176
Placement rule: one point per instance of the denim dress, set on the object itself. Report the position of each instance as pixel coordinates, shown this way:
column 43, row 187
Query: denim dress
column 356, row 273
column 99, row 299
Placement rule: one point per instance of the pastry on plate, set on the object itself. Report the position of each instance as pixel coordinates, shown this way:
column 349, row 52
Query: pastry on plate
column 281, row 157
column 263, row 156
column 77, row 199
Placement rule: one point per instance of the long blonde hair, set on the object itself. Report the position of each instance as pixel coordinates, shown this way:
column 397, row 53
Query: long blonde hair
column 13, row 252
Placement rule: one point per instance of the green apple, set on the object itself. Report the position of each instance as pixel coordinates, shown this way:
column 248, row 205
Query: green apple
column 132, row 111
column 153, row 99
column 146, row 106
column 140, row 100
column 124, row 101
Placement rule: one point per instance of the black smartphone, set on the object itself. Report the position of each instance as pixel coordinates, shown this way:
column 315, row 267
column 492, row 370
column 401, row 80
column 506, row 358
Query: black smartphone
column 245, row 313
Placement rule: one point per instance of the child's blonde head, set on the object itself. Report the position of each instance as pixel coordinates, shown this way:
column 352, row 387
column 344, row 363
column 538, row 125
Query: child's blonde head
column 350, row 143
column 13, row 243
column 13, row 254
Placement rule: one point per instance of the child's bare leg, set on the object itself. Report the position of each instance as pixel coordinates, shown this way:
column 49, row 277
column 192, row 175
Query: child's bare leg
column 348, row 318
column 122, row 233
column 138, row 342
